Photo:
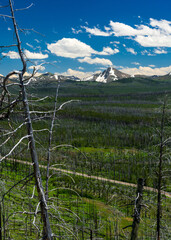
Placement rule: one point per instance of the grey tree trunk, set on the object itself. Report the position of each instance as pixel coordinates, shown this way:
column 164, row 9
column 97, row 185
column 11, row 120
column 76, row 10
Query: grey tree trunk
column 47, row 234
column 137, row 210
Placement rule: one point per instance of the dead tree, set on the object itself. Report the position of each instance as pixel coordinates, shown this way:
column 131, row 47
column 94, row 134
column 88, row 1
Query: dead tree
column 47, row 234
column 137, row 210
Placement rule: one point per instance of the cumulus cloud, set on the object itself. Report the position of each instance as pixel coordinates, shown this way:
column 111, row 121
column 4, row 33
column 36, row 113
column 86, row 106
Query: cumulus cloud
column 149, row 71
column 37, row 67
column 71, row 48
column 101, row 61
column 131, row 50
column 160, row 51
column 154, row 41
column 97, row 32
column 33, row 55
column 11, row 55
column 161, row 24
column 156, row 34
column 28, row 54
column 79, row 74
column 108, row 51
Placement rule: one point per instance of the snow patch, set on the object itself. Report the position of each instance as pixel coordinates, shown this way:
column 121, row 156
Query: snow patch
column 112, row 73
column 56, row 76
column 101, row 78
column 88, row 78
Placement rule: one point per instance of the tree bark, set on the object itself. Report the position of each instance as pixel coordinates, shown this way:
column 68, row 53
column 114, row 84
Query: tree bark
column 137, row 210
column 47, row 234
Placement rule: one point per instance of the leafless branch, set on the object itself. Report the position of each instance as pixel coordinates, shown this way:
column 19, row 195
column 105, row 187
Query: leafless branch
column 21, row 9
column 14, row 147
column 3, row 15
column 9, row 190
column 8, row 46
column 15, row 130
column 61, row 106
column 31, row 29
column 35, row 214
column 38, row 100
column 5, row 6
column 33, row 191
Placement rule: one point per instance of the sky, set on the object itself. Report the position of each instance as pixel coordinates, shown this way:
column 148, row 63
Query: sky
column 74, row 37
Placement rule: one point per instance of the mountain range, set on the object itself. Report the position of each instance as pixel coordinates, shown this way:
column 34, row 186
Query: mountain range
column 109, row 75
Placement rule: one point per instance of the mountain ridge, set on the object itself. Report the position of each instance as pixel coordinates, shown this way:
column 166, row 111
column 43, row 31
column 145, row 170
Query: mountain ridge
column 111, row 74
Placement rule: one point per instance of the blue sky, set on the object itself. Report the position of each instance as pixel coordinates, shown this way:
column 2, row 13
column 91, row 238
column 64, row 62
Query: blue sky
column 82, row 37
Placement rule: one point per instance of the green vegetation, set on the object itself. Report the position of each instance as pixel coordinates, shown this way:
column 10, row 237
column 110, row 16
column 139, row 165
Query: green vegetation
column 112, row 132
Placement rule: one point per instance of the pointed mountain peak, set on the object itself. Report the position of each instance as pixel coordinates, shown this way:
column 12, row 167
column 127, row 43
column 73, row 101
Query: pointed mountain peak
column 108, row 75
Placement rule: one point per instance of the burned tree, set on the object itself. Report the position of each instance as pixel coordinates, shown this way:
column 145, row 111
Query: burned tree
column 47, row 233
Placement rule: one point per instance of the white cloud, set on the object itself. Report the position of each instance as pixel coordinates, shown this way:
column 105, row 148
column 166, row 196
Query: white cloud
column 160, row 51
column 26, row 74
column 154, row 41
column 121, row 29
column 71, row 48
column 135, row 63
column 164, row 25
column 11, row 55
column 81, row 68
column 149, row 71
column 33, row 55
column 37, row 67
column 151, row 65
column 9, row 29
column 79, row 74
column 115, row 42
column 131, row 50
column 101, row 61
column 28, row 54
column 108, row 51
column 156, row 34
column 76, row 31
column 97, row 32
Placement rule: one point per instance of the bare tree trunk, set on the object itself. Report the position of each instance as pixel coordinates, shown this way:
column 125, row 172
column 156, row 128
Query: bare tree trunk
column 50, row 141
column 137, row 209
column 47, row 234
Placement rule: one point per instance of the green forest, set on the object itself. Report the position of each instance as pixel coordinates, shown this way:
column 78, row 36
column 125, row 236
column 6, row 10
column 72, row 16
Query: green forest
column 102, row 132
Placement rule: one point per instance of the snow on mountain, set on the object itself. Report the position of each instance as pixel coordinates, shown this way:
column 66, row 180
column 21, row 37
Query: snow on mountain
column 109, row 75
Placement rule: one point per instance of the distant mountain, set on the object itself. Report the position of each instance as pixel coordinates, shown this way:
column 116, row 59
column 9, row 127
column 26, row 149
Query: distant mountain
column 108, row 75
column 51, row 76
column 166, row 77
